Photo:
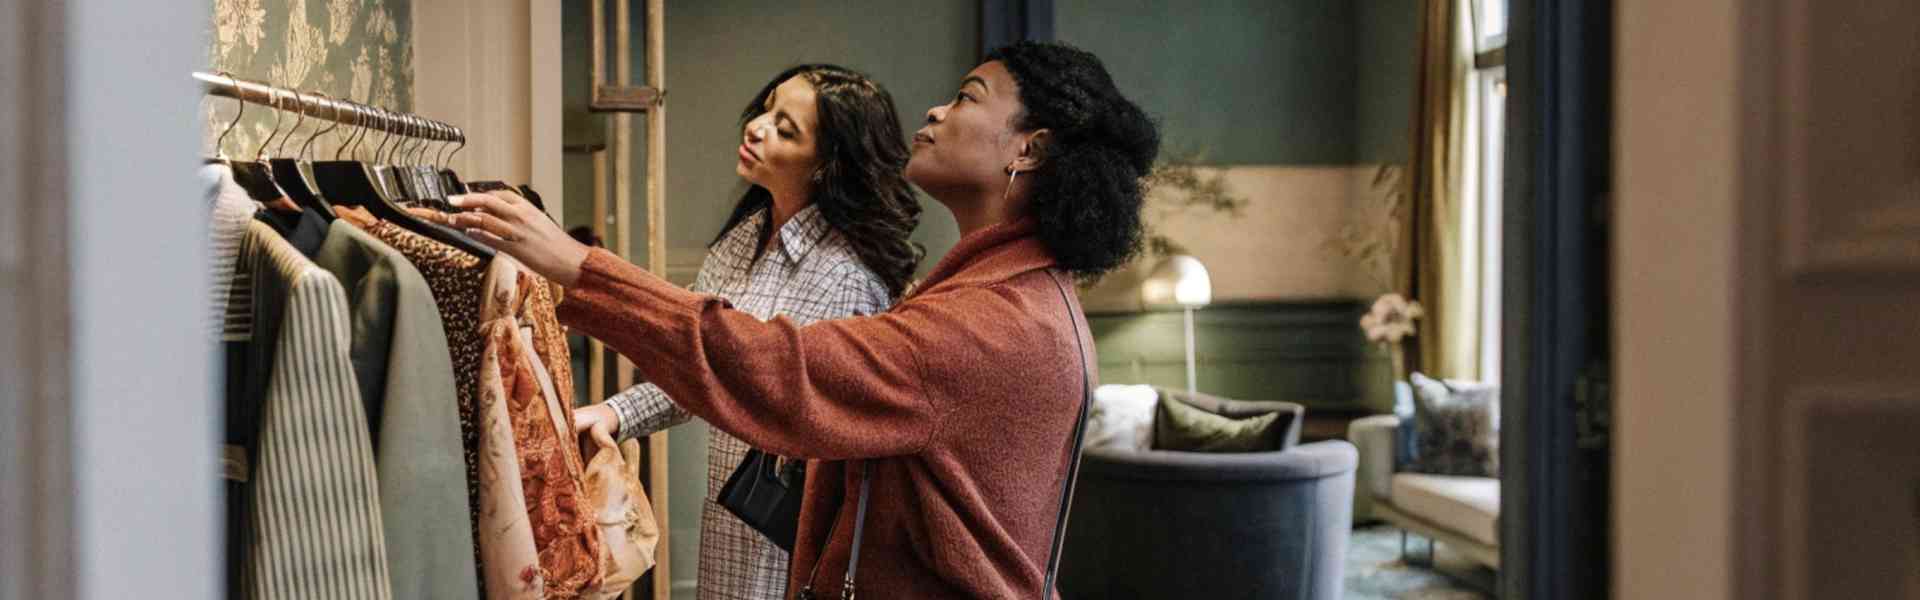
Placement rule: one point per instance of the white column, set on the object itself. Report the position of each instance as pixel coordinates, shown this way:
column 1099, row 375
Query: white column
column 144, row 420
column 1676, row 177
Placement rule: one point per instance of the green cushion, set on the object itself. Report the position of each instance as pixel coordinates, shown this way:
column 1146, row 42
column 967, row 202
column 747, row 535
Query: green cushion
column 1180, row 426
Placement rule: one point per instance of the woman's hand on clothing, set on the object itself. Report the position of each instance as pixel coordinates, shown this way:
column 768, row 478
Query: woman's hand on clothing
column 510, row 224
column 599, row 420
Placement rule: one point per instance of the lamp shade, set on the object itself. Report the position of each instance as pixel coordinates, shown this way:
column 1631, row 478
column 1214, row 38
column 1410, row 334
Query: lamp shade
column 1180, row 280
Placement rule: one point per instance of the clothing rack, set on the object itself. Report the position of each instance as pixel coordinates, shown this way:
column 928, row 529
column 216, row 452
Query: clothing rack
column 319, row 106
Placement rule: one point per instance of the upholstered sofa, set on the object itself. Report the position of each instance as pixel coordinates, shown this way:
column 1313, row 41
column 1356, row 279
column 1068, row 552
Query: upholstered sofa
column 1164, row 524
column 1461, row 512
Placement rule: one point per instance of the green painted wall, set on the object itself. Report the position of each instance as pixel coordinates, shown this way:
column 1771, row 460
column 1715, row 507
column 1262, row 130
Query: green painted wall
column 719, row 52
column 1297, row 82
column 1385, row 40
column 1258, row 82
column 1243, row 81
column 1306, row 352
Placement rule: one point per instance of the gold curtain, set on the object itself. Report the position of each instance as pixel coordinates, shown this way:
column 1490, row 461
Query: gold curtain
column 1434, row 257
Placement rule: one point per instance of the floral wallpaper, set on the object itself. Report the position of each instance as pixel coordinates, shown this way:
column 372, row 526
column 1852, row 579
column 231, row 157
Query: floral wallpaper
column 360, row 50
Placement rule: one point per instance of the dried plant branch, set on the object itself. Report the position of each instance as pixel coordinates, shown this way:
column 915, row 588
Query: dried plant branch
column 1177, row 185
column 1373, row 237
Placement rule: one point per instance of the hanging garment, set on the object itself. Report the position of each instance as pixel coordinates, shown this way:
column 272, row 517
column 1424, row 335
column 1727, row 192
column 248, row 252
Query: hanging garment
column 628, row 532
column 503, row 546
column 305, row 501
column 227, row 225
column 230, row 211
column 612, row 500
column 303, row 227
column 615, row 503
column 405, row 377
column 550, row 465
column 534, row 530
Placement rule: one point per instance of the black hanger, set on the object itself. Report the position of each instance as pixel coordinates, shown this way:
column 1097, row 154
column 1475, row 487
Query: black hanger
column 353, row 183
column 391, row 178
column 296, row 176
column 296, row 179
column 489, row 185
column 434, row 189
column 453, row 183
column 424, row 181
column 254, row 177
column 257, row 179
column 526, row 189
column 502, row 186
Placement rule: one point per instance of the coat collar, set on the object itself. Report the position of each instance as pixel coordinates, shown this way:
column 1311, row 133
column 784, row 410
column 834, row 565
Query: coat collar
column 988, row 256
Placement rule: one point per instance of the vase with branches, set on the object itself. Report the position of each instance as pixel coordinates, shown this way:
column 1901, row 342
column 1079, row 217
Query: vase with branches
column 1389, row 323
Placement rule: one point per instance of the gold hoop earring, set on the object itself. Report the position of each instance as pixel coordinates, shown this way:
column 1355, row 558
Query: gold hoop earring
column 1011, row 173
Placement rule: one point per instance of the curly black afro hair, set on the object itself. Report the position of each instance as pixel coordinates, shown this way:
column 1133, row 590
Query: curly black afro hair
column 1087, row 191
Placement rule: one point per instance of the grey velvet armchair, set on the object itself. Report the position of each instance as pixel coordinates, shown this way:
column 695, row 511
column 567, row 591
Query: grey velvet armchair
column 1163, row 524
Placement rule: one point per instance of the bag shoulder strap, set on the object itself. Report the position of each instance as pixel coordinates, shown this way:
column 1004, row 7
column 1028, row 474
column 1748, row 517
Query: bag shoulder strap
column 1066, row 486
column 859, row 527
column 1073, row 451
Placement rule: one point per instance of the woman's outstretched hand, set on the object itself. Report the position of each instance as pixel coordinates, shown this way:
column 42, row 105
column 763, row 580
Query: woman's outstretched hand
column 598, row 419
column 510, row 224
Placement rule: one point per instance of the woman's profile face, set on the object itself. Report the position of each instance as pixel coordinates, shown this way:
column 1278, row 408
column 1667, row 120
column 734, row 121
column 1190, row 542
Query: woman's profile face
column 968, row 142
column 777, row 148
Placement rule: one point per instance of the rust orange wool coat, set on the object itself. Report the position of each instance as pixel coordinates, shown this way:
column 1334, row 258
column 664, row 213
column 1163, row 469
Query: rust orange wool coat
column 963, row 397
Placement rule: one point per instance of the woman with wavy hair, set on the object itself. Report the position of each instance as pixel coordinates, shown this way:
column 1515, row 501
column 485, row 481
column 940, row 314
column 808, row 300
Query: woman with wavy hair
column 820, row 233
column 948, row 418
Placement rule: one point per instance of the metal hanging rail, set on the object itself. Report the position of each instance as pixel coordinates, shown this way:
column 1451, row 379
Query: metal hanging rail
column 320, row 106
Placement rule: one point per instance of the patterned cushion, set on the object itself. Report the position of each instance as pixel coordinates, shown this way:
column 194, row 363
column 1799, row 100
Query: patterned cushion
column 1457, row 427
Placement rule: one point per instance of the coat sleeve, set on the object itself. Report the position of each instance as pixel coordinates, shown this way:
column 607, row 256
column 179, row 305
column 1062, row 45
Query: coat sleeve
column 643, row 409
column 833, row 390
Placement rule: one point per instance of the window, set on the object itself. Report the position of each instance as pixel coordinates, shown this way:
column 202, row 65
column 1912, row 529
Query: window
column 1486, row 95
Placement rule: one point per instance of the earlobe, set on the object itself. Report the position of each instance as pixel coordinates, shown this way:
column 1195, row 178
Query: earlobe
column 1033, row 153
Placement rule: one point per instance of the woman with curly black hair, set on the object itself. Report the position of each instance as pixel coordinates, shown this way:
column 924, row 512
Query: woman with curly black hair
column 941, row 430
column 821, row 233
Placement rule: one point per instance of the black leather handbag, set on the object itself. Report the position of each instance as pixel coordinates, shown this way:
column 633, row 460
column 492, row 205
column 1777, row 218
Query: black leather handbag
column 766, row 495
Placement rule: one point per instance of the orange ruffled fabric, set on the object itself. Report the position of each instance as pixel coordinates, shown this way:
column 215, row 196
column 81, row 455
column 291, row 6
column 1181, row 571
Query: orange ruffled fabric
column 551, row 470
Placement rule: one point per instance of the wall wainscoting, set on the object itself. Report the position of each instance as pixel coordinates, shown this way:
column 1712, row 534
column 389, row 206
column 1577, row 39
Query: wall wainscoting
column 1310, row 352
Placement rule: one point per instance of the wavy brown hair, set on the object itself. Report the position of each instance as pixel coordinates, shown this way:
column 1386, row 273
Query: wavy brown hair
column 860, row 185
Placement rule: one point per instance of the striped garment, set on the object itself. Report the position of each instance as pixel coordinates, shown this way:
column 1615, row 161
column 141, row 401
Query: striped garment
column 227, row 225
column 313, row 523
column 810, row 273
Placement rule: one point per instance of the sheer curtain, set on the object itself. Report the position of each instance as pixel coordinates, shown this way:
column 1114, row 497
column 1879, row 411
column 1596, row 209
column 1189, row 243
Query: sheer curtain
column 1441, row 249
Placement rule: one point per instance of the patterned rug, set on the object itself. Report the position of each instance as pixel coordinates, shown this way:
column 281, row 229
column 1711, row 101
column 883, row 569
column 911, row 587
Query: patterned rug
column 1375, row 570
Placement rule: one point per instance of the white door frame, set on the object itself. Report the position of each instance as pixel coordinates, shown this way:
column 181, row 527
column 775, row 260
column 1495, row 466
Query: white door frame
column 107, row 467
